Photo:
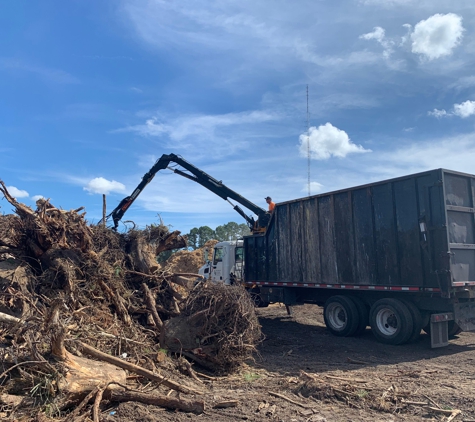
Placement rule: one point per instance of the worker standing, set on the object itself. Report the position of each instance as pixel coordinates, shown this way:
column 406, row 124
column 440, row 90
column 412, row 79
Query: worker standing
column 271, row 204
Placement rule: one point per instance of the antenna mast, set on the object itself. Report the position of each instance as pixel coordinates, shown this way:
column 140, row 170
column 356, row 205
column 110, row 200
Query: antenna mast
column 308, row 146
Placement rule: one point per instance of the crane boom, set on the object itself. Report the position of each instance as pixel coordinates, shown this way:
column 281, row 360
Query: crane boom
column 202, row 178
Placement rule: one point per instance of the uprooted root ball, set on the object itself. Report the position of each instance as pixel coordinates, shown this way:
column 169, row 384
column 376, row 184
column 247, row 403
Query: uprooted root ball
column 218, row 325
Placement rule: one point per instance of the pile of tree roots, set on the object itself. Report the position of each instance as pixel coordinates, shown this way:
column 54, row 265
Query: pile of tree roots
column 88, row 318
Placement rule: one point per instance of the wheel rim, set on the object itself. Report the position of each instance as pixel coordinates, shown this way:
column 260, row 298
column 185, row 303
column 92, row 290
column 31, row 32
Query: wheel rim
column 336, row 315
column 387, row 322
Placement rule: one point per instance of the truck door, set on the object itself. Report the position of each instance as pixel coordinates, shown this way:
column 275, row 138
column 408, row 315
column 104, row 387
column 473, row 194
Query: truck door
column 217, row 267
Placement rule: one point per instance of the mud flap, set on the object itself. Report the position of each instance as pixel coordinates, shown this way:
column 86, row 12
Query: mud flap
column 464, row 314
column 439, row 329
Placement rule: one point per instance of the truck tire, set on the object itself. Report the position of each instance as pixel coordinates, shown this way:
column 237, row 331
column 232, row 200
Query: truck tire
column 416, row 320
column 391, row 321
column 341, row 316
column 363, row 315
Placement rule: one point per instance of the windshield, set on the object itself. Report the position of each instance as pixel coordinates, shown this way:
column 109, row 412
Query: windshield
column 218, row 255
column 239, row 254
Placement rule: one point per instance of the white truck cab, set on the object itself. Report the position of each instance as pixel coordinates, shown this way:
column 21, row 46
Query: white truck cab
column 226, row 264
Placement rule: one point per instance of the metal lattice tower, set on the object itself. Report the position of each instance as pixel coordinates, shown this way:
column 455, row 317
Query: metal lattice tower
column 308, row 146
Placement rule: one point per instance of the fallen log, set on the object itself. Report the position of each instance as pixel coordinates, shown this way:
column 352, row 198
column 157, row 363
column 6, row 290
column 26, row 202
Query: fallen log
column 172, row 241
column 9, row 319
column 97, row 403
column 225, row 404
column 82, row 375
column 194, row 406
column 150, row 302
column 135, row 369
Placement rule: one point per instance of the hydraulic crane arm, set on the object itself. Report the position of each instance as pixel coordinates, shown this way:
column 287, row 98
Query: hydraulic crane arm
column 203, row 179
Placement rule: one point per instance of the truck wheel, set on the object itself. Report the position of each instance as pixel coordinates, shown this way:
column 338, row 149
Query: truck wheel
column 341, row 316
column 363, row 315
column 391, row 321
column 416, row 320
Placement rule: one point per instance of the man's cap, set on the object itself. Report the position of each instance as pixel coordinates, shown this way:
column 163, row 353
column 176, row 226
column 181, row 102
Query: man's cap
column 268, row 197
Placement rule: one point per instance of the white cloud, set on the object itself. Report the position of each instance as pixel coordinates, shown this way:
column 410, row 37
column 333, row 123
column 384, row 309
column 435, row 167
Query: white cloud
column 463, row 83
column 454, row 153
column 17, row 193
column 326, row 141
column 183, row 127
column 465, row 109
column 437, row 36
column 379, row 35
column 104, row 186
column 437, row 113
column 225, row 134
column 315, row 187
column 36, row 197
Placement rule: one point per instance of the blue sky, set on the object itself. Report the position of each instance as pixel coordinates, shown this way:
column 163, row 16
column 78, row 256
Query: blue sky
column 93, row 92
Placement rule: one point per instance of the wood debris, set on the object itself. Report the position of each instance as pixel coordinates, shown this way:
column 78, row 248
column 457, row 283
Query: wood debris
column 83, row 307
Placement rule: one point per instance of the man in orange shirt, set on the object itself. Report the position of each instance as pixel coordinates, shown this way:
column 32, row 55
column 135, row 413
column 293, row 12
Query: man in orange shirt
column 271, row 204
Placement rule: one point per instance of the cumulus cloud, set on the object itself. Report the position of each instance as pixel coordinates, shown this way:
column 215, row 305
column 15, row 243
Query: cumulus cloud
column 463, row 110
column 437, row 113
column 17, row 193
column 36, row 197
column 379, row 35
column 437, row 36
column 104, row 186
column 327, row 141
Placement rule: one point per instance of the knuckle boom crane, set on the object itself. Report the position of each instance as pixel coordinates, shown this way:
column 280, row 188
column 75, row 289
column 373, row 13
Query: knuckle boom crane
column 202, row 178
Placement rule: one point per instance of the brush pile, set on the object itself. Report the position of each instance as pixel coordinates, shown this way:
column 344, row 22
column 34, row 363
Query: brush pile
column 70, row 291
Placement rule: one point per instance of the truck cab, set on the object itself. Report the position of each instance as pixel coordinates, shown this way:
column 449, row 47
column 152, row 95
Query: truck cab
column 226, row 263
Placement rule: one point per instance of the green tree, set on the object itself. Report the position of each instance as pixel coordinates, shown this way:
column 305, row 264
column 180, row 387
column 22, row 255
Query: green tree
column 198, row 236
column 231, row 231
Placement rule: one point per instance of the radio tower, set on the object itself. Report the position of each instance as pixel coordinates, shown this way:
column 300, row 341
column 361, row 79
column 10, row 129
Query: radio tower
column 308, row 146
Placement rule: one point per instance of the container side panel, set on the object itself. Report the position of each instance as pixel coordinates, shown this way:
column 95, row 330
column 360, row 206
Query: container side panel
column 460, row 227
column 283, row 255
column 327, row 240
column 272, row 252
column 424, row 185
column 344, row 238
column 408, row 234
column 458, row 191
column 459, row 200
column 364, row 234
column 296, row 244
column 385, row 234
column 463, row 265
column 261, row 255
column 311, row 248
column 250, row 259
column 439, row 239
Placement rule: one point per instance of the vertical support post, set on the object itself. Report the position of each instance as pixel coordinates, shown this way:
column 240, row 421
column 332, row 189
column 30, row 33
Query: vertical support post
column 104, row 209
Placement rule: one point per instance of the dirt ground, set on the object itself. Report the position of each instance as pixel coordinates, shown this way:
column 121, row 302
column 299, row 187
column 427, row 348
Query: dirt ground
column 354, row 379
